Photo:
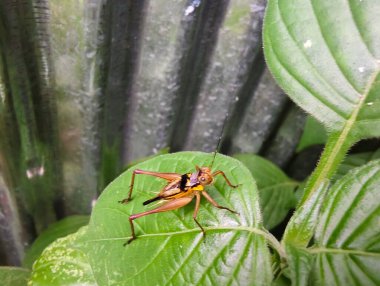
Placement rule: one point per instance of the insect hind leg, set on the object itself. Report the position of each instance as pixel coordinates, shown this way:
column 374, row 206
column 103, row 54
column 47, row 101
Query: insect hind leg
column 170, row 205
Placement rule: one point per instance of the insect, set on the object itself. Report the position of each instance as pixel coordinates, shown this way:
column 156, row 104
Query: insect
column 179, row 191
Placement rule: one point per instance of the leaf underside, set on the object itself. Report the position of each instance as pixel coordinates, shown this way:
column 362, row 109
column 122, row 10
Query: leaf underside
column 346, row 248
column 348, row 235
column 326, row 56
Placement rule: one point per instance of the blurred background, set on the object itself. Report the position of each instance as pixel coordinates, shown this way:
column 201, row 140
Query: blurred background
column 89, row 87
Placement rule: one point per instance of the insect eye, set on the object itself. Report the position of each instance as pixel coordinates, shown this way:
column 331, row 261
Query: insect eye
column 203, row 179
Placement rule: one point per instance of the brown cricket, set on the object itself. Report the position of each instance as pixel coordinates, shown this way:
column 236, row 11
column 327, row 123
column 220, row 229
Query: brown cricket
column 179, row 191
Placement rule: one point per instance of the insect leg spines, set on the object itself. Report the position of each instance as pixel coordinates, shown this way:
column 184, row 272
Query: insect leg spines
column 170, row 205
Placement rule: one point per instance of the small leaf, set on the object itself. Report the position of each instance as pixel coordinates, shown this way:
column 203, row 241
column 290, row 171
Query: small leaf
column 301, row 226
column 63, row 263
column 14, row 276
column 170, row 248
column 59, row 229
column 276, row 189
column 314, row 133
column 347, row 237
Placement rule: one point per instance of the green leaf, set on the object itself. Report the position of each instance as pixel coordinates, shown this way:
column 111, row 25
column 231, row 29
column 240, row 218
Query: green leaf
column 325, row 55
column 301, row 226
column 282, row 281
column 314, row 133
column 276, row 189
column 347, row 236
column 59, row 229
column 170, row 248
column 14, row 276
column 300, row 263
column 63, row 263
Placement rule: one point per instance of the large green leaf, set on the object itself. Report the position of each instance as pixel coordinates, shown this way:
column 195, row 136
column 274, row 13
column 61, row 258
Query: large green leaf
column 170, row 249
column 14, row 276
column 63, row 263
column 348, row 235
column 59, row 229
column 276, row 189
column 325, row 55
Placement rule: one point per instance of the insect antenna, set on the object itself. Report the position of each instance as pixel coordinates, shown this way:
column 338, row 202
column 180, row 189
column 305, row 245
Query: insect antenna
column 219, row 140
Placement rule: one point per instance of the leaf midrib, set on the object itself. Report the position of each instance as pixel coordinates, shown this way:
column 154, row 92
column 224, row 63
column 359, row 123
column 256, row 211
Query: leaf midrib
column 274, row 243
column 191, row 230
column 348, row 126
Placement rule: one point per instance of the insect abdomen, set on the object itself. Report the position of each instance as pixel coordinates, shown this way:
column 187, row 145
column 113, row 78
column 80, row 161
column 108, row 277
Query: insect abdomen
column 151, row 200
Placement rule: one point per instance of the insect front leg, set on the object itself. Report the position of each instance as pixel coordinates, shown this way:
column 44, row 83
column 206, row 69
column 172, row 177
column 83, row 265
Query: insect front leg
column 225, row 177
column 215, row 204
column 166, row 176
column 170, row 205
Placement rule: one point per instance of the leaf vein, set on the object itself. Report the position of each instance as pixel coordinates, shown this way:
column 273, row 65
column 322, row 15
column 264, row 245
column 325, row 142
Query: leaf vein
column 318, row 74
column 184, row 260
column 330, row 49
column 360, row 32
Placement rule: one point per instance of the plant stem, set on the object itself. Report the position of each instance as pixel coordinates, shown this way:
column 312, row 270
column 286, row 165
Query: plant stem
column 336, row 148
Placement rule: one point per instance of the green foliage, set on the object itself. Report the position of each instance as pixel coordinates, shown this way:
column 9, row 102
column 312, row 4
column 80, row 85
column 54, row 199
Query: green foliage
column 14, row 276
column 174, row 249
column 324, row 54
column 347, row 245
column 59, row 229
column 314, row 133
column 170, row 247
column 63, row 263
column 276, row 189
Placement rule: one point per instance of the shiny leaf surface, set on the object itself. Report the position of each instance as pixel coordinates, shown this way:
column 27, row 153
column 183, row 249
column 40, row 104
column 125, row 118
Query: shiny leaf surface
column 63, row 263
column 170, row 249
column 59, row 229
